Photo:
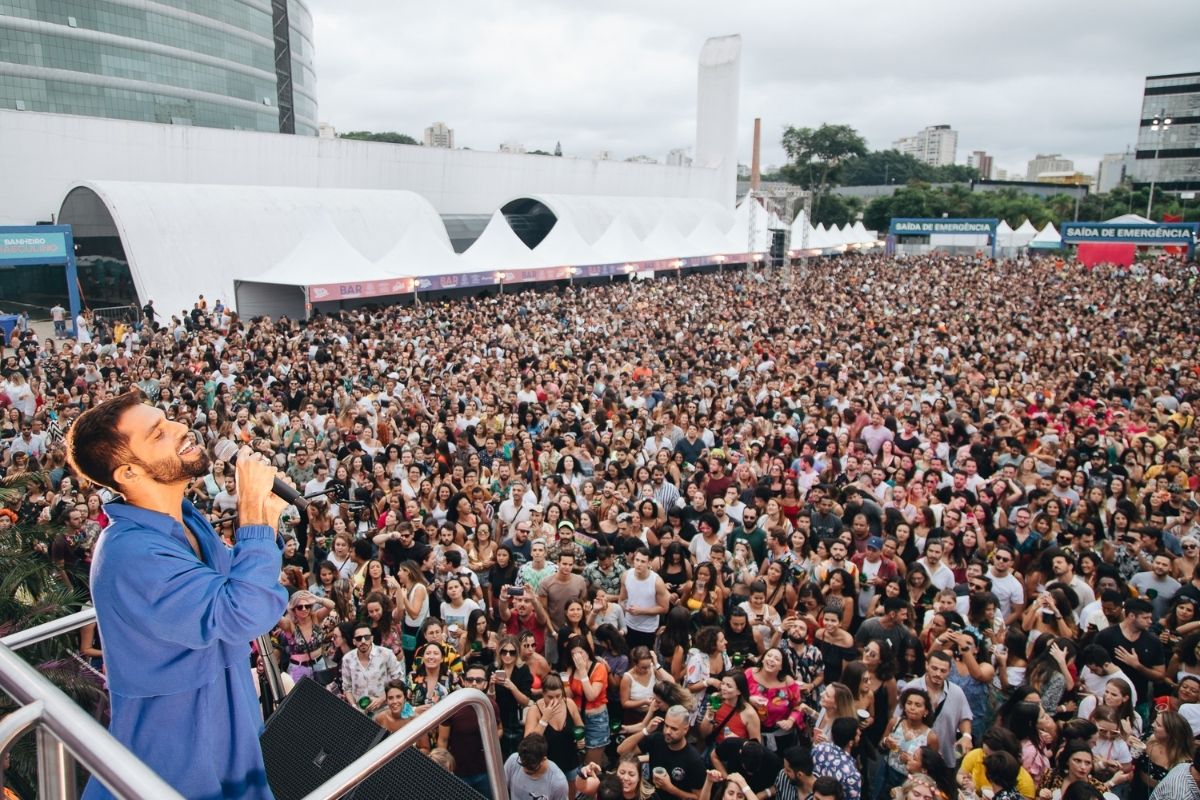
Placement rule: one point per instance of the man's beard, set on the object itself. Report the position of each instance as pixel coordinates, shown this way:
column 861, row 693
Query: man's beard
column 174, row 470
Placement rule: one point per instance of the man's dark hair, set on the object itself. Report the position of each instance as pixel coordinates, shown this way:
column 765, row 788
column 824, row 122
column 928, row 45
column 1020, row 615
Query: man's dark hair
column 999, row 739
column 453, row 557
column 894, row 604
column 799, row 758
column 843, row 730
column 1094, row 656
column 531, row 752
column 1136, row 605
column 95, row 448
column 941, row 655
column 1002, row 769
column 827, row 786
column 362, row 548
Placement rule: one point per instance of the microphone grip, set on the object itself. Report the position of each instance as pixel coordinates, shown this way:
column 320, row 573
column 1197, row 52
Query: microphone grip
column 227, row 451
column 281, row 488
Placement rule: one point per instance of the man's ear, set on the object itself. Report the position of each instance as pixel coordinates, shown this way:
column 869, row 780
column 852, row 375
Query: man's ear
column 125, row 476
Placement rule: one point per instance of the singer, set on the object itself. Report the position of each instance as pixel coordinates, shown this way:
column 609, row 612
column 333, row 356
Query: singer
column 176, row 608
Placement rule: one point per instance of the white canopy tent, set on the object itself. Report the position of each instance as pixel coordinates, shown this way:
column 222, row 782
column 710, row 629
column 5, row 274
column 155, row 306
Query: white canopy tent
column 1023, row 235
column 497, row 248
column 322, row 256
column 1004, row 235
column 1048, row 237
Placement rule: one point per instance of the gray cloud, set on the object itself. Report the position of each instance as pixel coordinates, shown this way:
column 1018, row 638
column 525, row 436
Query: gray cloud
column 1014, row 79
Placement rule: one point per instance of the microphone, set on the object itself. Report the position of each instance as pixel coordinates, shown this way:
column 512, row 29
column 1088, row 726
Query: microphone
column 227, row 451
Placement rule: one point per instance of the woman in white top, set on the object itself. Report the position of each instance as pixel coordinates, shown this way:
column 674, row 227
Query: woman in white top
column 457, row 607
column 637, row 685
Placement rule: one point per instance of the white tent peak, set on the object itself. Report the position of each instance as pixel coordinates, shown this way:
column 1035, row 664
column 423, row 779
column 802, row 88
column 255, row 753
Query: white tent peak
column 322, row 255
column 420, row 251
column 1131, row 219
column 498, row 247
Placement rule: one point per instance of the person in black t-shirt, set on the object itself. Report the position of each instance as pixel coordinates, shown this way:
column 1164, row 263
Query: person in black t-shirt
column 1135, row 650
column 673, row 762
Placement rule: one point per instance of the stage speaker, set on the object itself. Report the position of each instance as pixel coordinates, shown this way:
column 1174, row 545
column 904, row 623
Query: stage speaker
column 311, row 737
column 314, row 734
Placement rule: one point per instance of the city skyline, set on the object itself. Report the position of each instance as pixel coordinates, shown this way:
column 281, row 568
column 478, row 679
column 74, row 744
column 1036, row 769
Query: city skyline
column 624, row 79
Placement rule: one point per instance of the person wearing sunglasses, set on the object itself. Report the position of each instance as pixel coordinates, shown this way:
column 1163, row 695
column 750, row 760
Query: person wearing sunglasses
column 462, row 736
column 366, row 671
column 512, row 682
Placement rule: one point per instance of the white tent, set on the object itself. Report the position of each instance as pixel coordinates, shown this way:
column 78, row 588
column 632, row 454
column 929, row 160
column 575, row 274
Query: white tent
column 422, row 251
column 861, row 235
column 1130, row 219
column 563, row 246
column 617, row 244
column 1047, row 237
column 1004, row 234
column 1023, row 235
column 740, row 233
column 321, row 256
column 707, row 240
column 186, row 239
column 665, row 241
column 497, row 248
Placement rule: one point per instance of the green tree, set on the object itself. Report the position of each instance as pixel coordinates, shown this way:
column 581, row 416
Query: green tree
column 881, row 167
column 816, row 155
column 837, row 210
column 30, row 594
column 391, row 137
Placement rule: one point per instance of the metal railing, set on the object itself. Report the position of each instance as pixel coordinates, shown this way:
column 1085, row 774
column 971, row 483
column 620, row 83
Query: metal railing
column 65, row 732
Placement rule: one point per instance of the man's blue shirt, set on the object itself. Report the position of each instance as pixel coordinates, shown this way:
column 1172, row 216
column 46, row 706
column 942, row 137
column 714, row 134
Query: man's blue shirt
column 176, row 633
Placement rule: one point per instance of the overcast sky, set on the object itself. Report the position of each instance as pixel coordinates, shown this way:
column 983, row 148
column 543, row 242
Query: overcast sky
column 1013, row 78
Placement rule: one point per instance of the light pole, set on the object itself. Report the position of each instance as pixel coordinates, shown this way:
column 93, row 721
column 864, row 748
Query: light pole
column 1158, row 125
column 720, row 263
column 500, row 280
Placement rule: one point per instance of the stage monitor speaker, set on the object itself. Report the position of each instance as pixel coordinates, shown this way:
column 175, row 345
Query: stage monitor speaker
column 311, row 737
column 314, row 734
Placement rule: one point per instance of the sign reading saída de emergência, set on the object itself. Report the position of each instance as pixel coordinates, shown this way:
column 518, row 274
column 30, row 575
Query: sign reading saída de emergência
column 928, row 227
column 1170, row 233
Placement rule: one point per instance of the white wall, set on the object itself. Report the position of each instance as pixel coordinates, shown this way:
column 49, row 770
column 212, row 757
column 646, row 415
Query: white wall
column 43, row 155
column 717, row 96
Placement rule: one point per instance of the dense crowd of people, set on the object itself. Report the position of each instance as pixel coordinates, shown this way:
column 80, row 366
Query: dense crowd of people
column 923, row 527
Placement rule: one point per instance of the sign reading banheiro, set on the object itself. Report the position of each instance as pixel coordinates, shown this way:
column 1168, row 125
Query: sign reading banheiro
column 1174, row 233
column 928, row 227
column 32, row 245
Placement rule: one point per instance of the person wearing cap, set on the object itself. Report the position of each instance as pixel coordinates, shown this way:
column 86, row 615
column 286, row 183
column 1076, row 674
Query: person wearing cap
column 873, row 572
column 565, row 543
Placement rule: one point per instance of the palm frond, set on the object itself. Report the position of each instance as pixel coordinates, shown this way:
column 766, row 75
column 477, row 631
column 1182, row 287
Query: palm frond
column 13, row 487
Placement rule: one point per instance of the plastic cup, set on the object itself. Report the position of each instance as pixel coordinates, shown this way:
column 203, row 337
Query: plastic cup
column 660, row 772
column 579, row 734
column 714, row 701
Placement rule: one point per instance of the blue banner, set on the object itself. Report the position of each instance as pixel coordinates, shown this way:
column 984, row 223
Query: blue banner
column 27, row 246
column 1167, row 233
column 910, row 226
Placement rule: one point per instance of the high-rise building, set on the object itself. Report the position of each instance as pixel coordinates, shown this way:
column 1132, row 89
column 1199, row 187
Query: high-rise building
column 936, row 145
column 982, row 162
column 212, row 63
column 1048, row 162
column 512, row 147
column 1114, row 169
column 1170, row 154
column 679, row 157
column 326, row 131
column 439, row 135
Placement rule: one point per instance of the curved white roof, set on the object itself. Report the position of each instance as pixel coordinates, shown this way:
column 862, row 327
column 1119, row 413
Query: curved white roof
column 182, row 240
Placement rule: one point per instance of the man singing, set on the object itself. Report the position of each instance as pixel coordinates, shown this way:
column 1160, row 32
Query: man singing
column 176, row 608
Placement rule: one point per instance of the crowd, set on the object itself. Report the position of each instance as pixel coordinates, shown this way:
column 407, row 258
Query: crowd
column 923, row 527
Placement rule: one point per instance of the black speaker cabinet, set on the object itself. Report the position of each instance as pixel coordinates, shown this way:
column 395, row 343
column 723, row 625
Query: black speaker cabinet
column 313, row 735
